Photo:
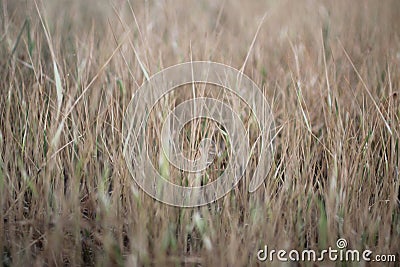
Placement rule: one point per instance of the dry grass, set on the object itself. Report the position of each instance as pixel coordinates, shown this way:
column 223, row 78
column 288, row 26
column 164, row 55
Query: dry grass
column 330, row 69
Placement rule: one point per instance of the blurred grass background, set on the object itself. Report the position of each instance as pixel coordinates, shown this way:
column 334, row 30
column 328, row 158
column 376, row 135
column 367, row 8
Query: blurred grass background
column 330, row 70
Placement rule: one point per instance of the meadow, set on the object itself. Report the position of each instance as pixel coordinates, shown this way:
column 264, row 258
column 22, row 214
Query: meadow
column 69, row 68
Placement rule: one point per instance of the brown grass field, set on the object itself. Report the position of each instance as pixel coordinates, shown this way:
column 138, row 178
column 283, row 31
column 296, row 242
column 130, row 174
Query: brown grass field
column 69, row 68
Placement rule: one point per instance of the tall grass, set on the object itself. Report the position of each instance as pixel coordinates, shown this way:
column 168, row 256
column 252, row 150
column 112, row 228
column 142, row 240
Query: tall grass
column 330, row 70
